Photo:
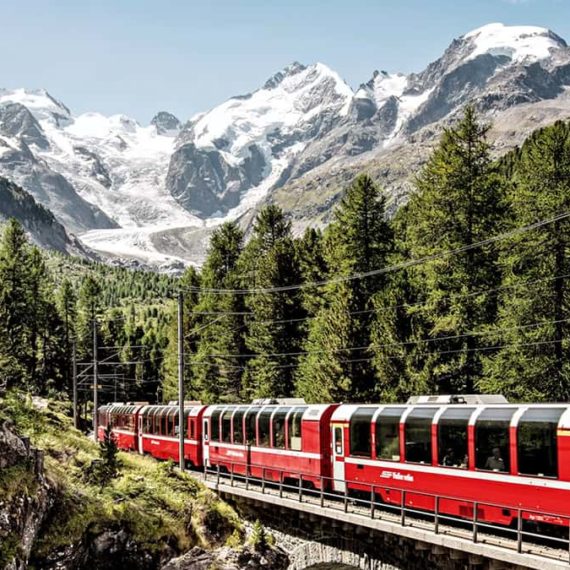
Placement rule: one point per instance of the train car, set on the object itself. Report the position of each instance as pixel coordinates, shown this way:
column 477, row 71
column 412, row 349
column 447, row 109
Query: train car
column 158, row 430
column 122, row 419
column 274, row 440
column 482, row 451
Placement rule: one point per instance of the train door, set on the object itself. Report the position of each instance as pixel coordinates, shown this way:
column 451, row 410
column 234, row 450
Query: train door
column 206, row 441
column 140, row 433
column 338, row 458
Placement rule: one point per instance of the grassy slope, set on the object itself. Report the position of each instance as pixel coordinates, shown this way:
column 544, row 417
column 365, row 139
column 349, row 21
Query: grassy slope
column 156, row 504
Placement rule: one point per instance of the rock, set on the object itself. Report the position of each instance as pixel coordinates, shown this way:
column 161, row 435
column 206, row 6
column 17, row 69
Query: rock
column 230, row 559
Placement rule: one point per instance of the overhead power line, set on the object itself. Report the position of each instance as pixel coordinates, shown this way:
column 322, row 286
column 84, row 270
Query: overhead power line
column 387, row 269
column 427, row 340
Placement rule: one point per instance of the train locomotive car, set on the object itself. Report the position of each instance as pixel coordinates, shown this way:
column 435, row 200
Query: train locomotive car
column 158, row 432
column 283, row 442
column 485, row 452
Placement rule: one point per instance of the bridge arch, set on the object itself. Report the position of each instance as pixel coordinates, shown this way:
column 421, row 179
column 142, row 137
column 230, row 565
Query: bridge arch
column 327, row 555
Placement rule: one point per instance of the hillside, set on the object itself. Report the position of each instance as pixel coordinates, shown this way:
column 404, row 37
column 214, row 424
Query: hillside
column 54, row 514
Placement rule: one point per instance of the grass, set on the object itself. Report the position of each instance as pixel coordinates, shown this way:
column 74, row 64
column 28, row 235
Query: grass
column 159, row 506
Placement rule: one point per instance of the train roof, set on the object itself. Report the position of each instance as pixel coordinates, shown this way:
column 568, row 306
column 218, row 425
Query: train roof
column 311, row 412
column 345, row 412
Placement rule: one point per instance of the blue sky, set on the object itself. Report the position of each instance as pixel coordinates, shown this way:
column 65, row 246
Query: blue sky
column 140, row 56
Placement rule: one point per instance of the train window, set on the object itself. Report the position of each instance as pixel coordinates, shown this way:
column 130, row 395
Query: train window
column 492, row 439
column 295, row 429
column 278, row 427
column 338, row 440
column 263, row 422
column 452, row 437
column 238, row 426
column 417, row 433
column 215, row 424
column 227, row 425
column 388, row 434
column 250, row 423
column 360, row 433
column 537, row 444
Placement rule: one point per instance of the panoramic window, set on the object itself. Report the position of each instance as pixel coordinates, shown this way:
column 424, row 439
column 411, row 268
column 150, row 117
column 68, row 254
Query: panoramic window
column 278, row 425
column 263, row 422
column 492, row 439
column 388, row 434
column 360, row 433
column 250, row 423
column 294, row 428
column 238, row 425
column 215, row 424
column 537, row 444
column 227, row 425
column 417, row 433
column 452, row 437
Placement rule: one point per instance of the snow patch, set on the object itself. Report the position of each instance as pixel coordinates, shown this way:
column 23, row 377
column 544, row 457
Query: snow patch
column 516, row 42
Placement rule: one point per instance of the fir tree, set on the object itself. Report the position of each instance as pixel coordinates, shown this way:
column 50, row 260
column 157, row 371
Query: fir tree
column 338, row 363
column 459, row 201
column 222, row 327
column 15, row 277
column 268, row 261
column 533, row 363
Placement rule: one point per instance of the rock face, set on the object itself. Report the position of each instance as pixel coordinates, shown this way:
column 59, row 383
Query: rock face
column 41, row 225
column 166, row 123
column 229, row 559
column 25, row 499
column 155, row 192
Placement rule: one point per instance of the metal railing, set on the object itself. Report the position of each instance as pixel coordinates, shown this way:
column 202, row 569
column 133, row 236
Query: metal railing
column 301, row 487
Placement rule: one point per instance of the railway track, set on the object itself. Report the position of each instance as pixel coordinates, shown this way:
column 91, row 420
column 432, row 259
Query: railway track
column 520, row 541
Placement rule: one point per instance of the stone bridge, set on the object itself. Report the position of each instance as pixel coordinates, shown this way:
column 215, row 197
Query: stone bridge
column 318, row 532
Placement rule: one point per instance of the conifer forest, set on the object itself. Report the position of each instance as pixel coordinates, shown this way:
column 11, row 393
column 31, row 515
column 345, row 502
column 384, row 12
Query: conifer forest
column 464, row 289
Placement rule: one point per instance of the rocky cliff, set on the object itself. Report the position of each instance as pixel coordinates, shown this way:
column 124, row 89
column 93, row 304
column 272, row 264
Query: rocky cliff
column 53, row 515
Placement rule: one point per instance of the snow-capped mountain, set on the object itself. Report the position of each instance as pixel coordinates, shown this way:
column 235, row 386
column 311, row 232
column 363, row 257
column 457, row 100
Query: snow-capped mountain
column 155, row 192
column 248, row 139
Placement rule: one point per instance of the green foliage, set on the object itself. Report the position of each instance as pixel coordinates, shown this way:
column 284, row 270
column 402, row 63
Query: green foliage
column 259, row 536
column 268, row 261
column 221, row 327
column 158, row 506
column 533, row 363
column 338, row 364
column 459, row 201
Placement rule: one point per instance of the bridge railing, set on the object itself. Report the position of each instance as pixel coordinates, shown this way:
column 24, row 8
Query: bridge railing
column 367, row 504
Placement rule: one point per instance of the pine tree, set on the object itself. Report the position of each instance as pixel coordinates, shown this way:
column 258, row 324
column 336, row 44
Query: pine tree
column 533, row 363
column 338, row 364
column 268, row 261
column 222, row 331
column 459, row 201
column 15, row 272
column 391, row 325
column 66, row 300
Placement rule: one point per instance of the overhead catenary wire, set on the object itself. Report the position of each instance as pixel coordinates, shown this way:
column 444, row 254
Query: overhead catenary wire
column 382, row 270
column 426, row 340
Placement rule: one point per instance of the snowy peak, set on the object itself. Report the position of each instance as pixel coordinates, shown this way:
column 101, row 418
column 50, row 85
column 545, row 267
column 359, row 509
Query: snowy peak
column 290, row 98
column 290, row 69
column 166, row 123
column 40, row 103
column 518, row 43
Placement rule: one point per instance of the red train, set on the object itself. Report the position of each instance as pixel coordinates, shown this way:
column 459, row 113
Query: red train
column 466, row 450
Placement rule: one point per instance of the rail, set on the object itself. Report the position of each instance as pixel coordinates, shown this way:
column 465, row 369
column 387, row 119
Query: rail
column 300, row 485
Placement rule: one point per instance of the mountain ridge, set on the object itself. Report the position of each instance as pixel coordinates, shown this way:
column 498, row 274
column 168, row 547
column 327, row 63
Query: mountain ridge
column 154, row 192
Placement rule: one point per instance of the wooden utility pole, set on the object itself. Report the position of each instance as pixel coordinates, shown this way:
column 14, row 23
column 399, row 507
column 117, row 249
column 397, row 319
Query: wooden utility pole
column 75, row 411
column 95, row 381
column 181, row 395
